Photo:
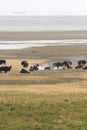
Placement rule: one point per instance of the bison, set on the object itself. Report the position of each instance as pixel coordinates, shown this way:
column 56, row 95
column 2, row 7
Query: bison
column 47, row 68
column 34, row 68
column 57, row 64
column 5, row 69
column 23, row 71
column 63, row 64
column 67, row 64
column 81, row 62
column 2, row 62
column 79, row 67
column 31, row 69
column 24, row 63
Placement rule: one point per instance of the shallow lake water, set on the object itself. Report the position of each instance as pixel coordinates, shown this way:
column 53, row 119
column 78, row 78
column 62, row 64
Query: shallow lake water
column 28, row 44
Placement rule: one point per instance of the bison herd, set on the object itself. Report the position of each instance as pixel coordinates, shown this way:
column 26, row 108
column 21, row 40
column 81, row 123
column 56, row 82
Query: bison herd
column 32, row 68
column 68, row 64
column 81, row 64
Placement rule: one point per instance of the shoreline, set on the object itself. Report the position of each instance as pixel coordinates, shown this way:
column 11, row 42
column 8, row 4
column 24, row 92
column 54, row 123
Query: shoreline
column 17, row 45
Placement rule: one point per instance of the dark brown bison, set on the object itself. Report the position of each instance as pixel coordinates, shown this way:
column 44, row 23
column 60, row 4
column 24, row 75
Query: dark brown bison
column 34, row 68
column 2, row 62
column 47, row 68
column 23, row 71
column 79, row 67
column 67, row 64
column 57, row 64
column 5, row 69
column 31, row 69
column 24, row 63
column 64, row 64
column 81, row 62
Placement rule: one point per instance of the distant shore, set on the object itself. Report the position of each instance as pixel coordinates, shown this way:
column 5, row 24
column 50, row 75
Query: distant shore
column 42, row 35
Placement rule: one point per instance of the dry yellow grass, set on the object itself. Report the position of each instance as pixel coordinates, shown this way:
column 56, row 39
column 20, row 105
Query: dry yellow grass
column 47, row 89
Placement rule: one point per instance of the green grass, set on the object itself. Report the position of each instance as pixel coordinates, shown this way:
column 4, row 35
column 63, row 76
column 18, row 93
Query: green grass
column 23, row 111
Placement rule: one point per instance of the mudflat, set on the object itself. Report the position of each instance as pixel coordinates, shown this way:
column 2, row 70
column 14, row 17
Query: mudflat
column 42, row 35
column 51, row 53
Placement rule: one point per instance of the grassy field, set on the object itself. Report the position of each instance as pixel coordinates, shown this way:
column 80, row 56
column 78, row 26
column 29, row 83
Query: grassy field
column 43, row 100
column 30, row 111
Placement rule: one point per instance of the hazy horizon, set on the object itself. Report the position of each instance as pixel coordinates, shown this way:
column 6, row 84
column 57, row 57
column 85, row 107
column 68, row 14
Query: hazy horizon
column 42, row 23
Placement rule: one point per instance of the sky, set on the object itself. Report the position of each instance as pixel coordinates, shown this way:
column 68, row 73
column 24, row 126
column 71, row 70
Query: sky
column 43, row 7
